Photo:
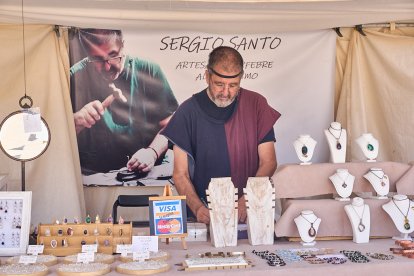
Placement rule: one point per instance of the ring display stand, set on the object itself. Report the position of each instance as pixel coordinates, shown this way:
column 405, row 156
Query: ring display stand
column 67, row 239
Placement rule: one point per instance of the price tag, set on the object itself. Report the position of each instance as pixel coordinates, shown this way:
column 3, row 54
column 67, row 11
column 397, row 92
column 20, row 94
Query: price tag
column 32, row 120
column 144, row 243
column 35, row 249
column 27, row 259
column 90, row 248
column 140, row 256
column 86, row 257
column 124, row 249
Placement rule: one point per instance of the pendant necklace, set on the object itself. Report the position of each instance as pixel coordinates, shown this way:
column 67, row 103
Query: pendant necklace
column 304, row 149
column 361, row 226
column 370, row 147
column 382, row 179
column 312, row 230
column 344, row 185
column 407, row 225
column 338, row 144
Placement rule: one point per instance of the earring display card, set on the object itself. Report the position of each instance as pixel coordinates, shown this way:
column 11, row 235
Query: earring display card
column 15, row 211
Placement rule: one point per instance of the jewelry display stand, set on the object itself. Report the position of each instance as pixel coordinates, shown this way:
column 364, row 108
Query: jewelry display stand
column 359, row 216
column 399, row 209
column 221, row 260
column 24, row 269
column 83, row 269
column 47, row 260
column 15, row 210
column 260, row 202
column 222, row 202
column 307, row 223
column 379, row 181
column 304, row 147
column 336, row 137
column 143, row 268
column 67, row 239
column 343, row 182
column 369, row 146
column 160, row 255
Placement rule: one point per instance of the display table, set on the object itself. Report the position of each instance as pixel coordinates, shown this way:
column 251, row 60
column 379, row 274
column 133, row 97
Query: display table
column 99, row 200
column 302, row 187
column 398, row 266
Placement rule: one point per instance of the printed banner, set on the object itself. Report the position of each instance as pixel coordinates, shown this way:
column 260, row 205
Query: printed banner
column 140, row 81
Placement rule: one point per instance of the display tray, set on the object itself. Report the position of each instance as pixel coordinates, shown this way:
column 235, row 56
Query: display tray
column 215, row 263
column 80, row 269
column 143, row 268
column 155, row 256
column 99, row 258
column 24, row 269
column 47, row 260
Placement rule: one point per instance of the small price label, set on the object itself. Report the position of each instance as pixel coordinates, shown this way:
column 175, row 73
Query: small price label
column 90, row 248
column 144, row 243
column 86, row 257
column 35, row 249
column 27, row 259
column 124, row 249
column 140, row 256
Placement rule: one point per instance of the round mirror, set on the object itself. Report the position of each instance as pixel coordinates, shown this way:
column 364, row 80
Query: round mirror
column 22, row 137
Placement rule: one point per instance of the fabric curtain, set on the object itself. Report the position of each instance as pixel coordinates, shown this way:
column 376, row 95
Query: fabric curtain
column 376, row 91
column 54, row 178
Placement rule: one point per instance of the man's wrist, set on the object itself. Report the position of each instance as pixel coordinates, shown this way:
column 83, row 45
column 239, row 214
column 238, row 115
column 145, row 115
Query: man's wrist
column 156, row 153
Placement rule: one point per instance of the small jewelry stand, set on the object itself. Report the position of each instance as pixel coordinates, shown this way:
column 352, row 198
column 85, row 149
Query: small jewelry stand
column 307, row 223
column 343, row 182
column 336, row 137
column 260, row 202
column 359, row 216
column 369, row 146
column 222, row 202
column 304, row 147
column 379, row 181
column 399, row 208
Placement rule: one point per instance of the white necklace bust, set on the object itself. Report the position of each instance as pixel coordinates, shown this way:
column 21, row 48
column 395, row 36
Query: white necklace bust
column 359, row 215
column 343, row 182
column 369, row 146
column 379, row 181
column 308, row 224
column 336, row 137
column 304, row 148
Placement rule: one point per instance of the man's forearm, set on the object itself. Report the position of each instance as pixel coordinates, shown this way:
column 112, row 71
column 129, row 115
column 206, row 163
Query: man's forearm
column 185, row 187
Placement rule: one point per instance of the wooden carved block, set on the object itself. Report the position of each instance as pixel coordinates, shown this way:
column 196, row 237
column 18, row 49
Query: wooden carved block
column 222, row 203
column 260, row 202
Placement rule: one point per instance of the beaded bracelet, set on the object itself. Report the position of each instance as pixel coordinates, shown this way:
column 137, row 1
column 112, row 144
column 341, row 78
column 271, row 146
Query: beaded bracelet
column 380, row 256
column 336, row 260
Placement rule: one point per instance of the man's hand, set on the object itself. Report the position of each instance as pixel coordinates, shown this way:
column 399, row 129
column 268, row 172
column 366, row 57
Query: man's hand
column 92, row 112
column 143, row 160
column 203, row 215
column 242, row 209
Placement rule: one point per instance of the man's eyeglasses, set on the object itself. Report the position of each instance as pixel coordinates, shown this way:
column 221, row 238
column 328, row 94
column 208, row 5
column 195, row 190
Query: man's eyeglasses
column 111, row 61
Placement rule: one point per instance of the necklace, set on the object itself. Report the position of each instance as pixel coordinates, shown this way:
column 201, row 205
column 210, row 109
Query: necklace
column 361, row 226
column 382, row 179
column 344, row 185
column 304, row 149
column 312, row 230
column 407, row 225
column 338, row 144
column 370, row 147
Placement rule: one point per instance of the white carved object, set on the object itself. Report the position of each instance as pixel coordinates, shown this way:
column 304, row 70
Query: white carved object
column 260, row 202
column 222, row 203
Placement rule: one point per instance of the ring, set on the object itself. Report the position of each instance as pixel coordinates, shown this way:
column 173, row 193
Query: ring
column 53, row 243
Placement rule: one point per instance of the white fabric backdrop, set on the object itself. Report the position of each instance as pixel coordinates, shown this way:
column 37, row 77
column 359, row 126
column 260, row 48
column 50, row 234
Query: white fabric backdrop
column 299, row 84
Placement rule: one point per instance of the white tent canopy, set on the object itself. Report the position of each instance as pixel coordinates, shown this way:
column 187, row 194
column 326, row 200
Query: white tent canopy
column 209, row 16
